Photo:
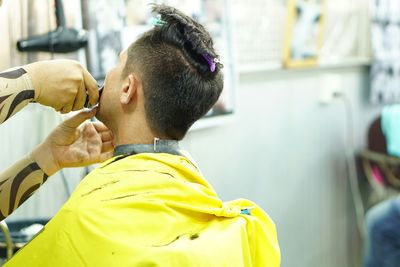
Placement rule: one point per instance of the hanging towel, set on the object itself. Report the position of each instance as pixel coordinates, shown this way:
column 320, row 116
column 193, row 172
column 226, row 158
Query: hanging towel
column 390, row 123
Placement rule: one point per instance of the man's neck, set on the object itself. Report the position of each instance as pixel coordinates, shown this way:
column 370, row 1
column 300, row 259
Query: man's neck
column 129, row 133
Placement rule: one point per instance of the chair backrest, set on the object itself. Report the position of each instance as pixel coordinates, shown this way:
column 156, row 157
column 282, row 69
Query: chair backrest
column 376, row 138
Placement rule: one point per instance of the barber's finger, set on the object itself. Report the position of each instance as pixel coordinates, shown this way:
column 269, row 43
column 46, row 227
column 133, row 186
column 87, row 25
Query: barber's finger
column 107, row 146
column 79, row 118
column 103, row 130
column 106, row 156
column 106, row 136
column 67, row 108
column 58, row 109
column 80, row 97
column 91, row 87
column 99, row 126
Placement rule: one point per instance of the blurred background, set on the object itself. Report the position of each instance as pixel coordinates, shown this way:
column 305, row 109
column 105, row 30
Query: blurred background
column 304, row 81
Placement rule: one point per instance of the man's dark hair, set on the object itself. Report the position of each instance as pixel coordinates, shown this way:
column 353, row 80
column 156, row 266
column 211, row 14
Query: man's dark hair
column 178, row 82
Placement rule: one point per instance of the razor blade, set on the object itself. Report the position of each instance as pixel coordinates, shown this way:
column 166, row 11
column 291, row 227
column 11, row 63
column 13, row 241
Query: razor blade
column 87, row 104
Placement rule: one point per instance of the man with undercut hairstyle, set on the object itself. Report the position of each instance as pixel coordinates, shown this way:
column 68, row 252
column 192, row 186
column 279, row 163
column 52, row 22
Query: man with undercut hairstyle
column 150, row 205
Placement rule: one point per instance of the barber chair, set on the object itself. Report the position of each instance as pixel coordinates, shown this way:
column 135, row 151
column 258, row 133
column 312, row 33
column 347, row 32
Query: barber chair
column 381, row 170
column 13, row 237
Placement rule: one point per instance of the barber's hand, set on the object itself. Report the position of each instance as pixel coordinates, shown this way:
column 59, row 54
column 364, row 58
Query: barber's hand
column 62, row 84
column 74, row 145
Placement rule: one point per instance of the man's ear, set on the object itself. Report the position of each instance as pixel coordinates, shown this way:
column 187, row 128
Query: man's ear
column 129, row 89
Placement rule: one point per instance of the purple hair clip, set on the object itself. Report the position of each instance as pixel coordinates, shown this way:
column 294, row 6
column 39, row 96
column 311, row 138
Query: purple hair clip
column 212, row 62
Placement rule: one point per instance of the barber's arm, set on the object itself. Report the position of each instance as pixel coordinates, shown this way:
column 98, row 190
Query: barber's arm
column 61, row 84
column 69, row 145
column 16, row 91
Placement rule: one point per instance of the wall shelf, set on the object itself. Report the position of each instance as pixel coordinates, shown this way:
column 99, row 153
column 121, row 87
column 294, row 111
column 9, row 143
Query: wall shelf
column 325, row 64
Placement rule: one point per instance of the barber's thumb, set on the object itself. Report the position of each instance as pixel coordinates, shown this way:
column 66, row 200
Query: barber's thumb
column 79, row 118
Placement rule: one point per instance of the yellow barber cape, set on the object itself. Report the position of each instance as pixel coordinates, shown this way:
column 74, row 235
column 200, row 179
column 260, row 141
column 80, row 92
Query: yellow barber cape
column 152, row 210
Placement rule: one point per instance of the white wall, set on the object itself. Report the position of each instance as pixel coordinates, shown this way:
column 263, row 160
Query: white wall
column 286, row 152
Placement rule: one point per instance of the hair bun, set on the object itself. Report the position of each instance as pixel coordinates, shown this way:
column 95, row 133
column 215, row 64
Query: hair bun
column 190, row 37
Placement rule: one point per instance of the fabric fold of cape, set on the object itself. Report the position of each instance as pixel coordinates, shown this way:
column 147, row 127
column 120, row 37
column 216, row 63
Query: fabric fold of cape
column 152, row 210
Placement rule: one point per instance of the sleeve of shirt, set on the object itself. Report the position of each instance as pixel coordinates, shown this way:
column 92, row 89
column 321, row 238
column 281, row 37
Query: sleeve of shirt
column 18, row 183
column 16, row 91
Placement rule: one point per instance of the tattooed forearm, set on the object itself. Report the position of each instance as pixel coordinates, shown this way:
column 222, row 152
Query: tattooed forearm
column 16, row 90
column 18, row 183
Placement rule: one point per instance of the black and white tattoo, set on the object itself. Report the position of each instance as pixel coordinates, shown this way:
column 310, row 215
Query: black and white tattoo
column 16, row 91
